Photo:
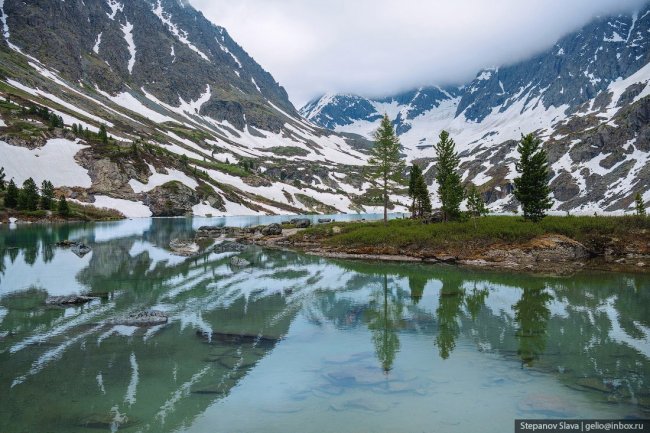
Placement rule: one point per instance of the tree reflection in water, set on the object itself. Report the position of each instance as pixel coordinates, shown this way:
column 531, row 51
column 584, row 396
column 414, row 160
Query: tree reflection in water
column 532, row 314
column 383, row 318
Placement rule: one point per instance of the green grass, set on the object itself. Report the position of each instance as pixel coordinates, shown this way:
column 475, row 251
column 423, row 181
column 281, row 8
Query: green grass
column 232, row 169
column 491, row 229
column 92, row 213
column 287, row 151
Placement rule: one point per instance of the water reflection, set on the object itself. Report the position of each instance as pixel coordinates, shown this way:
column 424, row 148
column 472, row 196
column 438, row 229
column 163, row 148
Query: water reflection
column 588, row 334
column 383, row 318
column 532, row 314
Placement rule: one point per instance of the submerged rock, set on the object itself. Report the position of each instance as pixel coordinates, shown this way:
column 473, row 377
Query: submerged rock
column 184, row 247
column 324, row 220
column 239, row 262
column 69, row 300
column 239, row 338
column 272, row 230
column 141, row 318
column 79, row 248
column 228, row 247
column 110, row 421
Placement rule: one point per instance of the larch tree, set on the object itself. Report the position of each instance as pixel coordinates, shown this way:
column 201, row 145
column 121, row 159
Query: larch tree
column 475, row 204
column 450, row 189
column 386, row 166
column 532, row 186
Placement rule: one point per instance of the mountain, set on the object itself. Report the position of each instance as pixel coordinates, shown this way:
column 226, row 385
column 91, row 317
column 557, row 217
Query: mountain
column 586, row 97
column 197, row 125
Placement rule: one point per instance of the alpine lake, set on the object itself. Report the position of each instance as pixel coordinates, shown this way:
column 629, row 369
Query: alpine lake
column 299, row 343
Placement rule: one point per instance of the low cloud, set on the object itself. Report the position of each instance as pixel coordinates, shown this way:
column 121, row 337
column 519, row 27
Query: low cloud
column 379, row 47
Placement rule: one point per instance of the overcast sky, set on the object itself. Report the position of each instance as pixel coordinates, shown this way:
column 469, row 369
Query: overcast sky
column 379, row 47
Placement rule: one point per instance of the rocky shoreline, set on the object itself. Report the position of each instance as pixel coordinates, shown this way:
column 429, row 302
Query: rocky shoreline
column 548, row 254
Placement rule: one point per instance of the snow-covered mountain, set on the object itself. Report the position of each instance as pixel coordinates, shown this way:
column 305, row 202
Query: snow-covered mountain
column 587, row 97
column 200, row 127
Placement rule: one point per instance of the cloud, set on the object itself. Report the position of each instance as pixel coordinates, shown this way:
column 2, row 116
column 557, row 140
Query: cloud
column 379, row 47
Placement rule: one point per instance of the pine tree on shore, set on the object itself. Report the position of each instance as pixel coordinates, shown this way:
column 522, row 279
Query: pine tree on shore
column 450, row 188
column 47, row 195
column 11, row 198
column 28, row 197
column 2, row 178
column 531, row 187
column 63, row 209
column 386, row 164
column 475, row 204
column 413, row 177
column 639, row 205
column 419, row 193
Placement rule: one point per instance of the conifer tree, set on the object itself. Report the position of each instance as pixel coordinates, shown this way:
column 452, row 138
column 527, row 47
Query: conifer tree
column 386, row 166
column 475, row 204
column 2, row 178
column 47, row 195
column 11, row 198
column 28, row 197
column 63, row 209
column 450, row 188
column 423, row 198
column 415, row 172
column 640, row 206
column 419, row 193
column 102, row 134
column 531, row 187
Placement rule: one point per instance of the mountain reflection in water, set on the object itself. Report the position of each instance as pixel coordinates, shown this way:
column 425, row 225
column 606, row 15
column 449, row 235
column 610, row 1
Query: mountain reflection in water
column 318, row 335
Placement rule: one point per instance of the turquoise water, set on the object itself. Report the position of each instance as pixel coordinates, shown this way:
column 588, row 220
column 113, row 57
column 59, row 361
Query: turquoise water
column 330, row 346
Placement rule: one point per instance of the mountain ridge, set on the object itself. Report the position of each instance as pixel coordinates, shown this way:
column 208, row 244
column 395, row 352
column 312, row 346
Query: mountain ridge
column 578, row 86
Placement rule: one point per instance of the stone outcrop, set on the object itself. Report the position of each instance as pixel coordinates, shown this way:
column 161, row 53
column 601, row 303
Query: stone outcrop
column 171, row 199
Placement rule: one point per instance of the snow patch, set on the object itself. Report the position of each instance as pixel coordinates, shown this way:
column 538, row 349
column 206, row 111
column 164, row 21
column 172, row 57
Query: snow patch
column 180, row 34
column 54, row 162
column 127, row 29
column 97, row 43
column 115, row 8
column 130, row 209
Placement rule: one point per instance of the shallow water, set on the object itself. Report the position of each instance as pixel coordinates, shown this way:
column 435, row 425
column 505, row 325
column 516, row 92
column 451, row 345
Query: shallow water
column 330, row 346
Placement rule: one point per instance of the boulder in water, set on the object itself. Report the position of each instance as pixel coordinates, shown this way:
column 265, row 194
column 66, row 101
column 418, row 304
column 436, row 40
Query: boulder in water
column 184, row 247
column 324, row 220
column 80, row 249
column 272, row 230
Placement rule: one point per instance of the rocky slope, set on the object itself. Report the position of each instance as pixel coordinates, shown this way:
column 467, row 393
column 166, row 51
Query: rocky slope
column 587, row 97
column 197, row 125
